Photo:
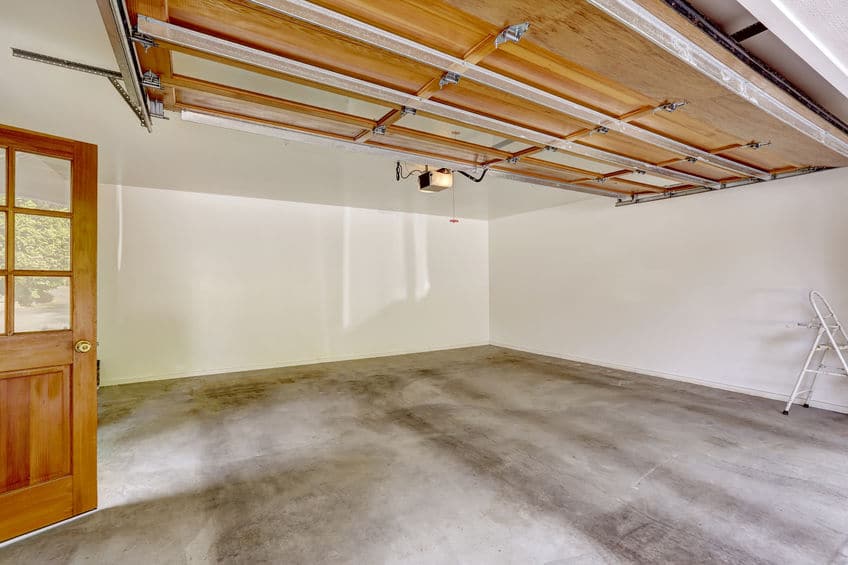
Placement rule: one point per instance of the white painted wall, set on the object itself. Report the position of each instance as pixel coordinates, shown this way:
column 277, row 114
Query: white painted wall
column 704, row 288
column 195, row 283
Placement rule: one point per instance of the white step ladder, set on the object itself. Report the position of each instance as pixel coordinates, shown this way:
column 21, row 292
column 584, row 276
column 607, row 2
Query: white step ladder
column 831, row 337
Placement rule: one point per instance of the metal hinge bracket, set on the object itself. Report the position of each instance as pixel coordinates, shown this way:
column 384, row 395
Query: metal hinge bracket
column 151, row 79
column 512, row 33
column 156, row 108
column 144, row 40
column 672, row 106
column 449, row 78
column 758, row 144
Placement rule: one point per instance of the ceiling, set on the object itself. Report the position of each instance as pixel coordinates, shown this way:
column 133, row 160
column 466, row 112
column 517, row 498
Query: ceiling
column 189, row 156
column 789, row 50
column 186, row 156
column 817, row 32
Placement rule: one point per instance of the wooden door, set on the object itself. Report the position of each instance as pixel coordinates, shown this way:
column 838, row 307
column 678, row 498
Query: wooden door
column 48, row 367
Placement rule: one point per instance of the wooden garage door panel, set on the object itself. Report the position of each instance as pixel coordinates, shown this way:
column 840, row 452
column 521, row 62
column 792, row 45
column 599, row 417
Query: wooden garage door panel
column 702, row 170
column 535, row 167
column 624, row 145
column 477, row 98
column 401, row 141
column 202, row 100
column 35, row 434
column 298, row 40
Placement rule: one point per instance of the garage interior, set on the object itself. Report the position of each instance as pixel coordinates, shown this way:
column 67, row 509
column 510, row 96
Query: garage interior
column 452, row 281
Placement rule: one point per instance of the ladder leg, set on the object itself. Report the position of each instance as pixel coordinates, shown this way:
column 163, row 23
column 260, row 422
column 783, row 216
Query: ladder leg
column 818, row 363
column 810, row 392
column 803, row 373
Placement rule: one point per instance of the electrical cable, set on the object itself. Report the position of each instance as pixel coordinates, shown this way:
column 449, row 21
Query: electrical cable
column 475, row 179
column 399, row 172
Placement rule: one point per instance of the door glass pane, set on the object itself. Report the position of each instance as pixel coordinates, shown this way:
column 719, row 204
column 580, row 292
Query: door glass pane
column 42, row 182
column 42, row 303
column 2, row 240
column 42, row 243
column 2, row 176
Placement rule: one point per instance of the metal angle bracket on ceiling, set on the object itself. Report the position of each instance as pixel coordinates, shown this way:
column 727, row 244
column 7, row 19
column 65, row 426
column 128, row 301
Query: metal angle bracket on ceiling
column 151, row 79
column 290, row 135
column 170, row 34
column 112, row 76
column 636, row 17
column 142, row 40
column 513, row 33
column 672, row 106
column 115, row 20
column 156, row 108
column 449, row 78
column 361, row 31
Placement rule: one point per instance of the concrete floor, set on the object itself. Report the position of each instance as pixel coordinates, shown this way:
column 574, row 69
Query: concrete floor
column 479, row 455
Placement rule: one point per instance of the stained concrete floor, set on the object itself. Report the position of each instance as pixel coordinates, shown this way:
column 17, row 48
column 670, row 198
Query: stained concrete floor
column 480, row 455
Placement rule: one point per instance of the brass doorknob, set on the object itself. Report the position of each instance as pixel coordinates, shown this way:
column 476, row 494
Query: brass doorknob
column 82, row 346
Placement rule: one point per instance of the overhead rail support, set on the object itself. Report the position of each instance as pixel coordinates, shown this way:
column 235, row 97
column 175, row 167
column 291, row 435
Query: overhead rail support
column 749, row 32
column 117, row 29
column 64, row 63
column 116, row 84
column 361, row 31
column 644, row 198
column 179, row 38
column 114, row 77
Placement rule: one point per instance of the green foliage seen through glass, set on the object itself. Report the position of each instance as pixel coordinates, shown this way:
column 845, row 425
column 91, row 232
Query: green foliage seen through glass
column 43, row 243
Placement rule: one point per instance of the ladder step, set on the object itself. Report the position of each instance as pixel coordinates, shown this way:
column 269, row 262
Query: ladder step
column 832, row 371
column 827, row 347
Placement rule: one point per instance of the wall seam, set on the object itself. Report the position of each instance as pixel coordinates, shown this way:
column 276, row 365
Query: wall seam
column 673, row 377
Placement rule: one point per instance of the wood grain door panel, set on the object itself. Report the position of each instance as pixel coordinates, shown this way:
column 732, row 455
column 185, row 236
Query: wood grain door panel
column 48, row 390
column 35, row 428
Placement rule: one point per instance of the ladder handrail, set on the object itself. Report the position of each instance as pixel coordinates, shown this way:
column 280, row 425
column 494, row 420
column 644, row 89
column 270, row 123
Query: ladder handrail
column 831, row 314
column 818, row 302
